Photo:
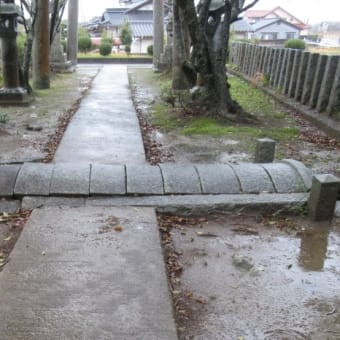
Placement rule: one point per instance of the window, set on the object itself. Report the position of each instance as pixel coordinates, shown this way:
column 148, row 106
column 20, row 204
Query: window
column 290, row 35
column 269, row 36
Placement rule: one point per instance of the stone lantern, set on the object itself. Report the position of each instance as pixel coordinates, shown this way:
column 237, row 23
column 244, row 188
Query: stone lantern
column 11, row 92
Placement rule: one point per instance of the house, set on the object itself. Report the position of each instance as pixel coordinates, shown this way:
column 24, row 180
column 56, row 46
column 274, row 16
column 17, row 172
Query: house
column 139, row 15
column 240, row 29
column 255, row 16
column 274, row 31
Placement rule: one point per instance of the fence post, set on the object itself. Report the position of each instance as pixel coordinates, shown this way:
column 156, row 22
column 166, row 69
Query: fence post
column 334, row 99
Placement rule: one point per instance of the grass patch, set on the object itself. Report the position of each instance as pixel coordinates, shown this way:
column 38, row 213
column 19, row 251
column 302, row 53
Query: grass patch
column 163, row 117
column 253, row 100
column 91, row 55
column 216, row 128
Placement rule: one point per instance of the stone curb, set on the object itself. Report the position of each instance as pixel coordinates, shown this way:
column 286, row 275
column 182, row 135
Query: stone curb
column 84, row 180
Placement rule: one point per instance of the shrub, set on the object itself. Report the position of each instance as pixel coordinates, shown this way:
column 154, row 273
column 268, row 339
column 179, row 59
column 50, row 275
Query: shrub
column 105, row 49
column 296, row 44
column 84, row 44
column 150, row 50
column 127, row 49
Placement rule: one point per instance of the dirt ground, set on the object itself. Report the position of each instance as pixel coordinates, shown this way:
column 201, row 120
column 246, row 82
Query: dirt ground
column 312, row 147
column 27, row 133
column 252, row 277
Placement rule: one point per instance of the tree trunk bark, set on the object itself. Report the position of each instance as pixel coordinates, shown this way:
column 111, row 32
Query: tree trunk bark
column 180, row 54
column 158, row 32
column 72, row 31
column 41, row 46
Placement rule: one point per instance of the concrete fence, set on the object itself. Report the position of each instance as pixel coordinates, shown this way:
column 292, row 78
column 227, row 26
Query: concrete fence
column 309, row 78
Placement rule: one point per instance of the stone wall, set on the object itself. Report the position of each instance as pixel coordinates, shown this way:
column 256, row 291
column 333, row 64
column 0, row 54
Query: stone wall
column 309, row 78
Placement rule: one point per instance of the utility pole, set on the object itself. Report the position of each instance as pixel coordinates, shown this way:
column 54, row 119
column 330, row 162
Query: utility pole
column 158, row 32
column 41, row 46
column 72, row 31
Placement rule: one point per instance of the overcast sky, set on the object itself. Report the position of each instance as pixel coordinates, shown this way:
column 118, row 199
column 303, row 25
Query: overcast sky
column 311, row 11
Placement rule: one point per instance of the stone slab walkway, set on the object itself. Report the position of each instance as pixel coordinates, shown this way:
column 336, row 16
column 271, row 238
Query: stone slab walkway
column 105, row 129
column 87, row 273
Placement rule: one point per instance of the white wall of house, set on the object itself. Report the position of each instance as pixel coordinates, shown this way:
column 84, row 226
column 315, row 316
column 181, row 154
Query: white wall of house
column 140, row 45
column 277, row 31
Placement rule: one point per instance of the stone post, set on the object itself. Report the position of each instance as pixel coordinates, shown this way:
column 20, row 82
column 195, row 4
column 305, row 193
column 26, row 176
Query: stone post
column 58, row 58
column 309, row 79
column 327, row 83
column 11, row 93
column 295, row 72
column 72, row 31
column 283, row 69
column 301, row 75
column 275, row 56
column 323, row 197
column 265, row 150
column 319, row 73
column 334, row 99
column 158, row 32
column 289, row 70
column 278, row 67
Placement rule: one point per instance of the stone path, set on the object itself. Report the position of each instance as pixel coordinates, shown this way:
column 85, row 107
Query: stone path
column 87, row 273
column 105, row 129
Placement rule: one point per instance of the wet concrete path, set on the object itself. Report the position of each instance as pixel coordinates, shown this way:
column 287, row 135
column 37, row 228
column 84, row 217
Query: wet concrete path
column 105, row 129
column 87, row 273
column 90, row 272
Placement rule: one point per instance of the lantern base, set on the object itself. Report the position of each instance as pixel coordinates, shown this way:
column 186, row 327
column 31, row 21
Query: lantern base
column 14, row 96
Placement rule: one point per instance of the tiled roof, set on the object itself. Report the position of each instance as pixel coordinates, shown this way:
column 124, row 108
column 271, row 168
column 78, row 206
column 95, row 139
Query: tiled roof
column 252, row 13
column 241, row 26
column 142, row 28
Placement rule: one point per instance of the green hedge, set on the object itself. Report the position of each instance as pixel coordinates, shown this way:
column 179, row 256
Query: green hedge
column 296, row 44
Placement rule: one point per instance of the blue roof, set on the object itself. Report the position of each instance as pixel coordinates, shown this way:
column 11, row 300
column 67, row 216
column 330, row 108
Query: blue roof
column 142, row 29
column 241, row 26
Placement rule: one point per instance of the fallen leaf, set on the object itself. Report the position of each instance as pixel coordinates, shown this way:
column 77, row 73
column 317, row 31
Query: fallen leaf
column 205, row 234
column 118, row 228
column 202, row 301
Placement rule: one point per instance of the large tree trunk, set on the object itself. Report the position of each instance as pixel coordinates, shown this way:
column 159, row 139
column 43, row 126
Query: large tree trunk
column 180, row 53
column 209, row 32
column 41, row 44
column 158, row 32
column 72, row 31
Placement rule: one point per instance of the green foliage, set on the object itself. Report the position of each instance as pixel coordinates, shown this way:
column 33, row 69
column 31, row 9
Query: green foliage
column 82, row 32
column 126, row 34
column 105, row 49
column 3, row 118
column 296, row 44
column 21, row 40
column 150, row 50
column 127, row 49
column 106, row 37
column 84, row 44
column 216, row 128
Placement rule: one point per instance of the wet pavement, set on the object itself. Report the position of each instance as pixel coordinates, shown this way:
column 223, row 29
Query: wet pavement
column 105, row 129
column 87, row 273
column 245, row 279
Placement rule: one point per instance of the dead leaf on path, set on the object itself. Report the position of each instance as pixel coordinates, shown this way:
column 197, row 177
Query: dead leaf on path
column 245, row 231
column 118, row 228
column 202, row 301
column 205, row 234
